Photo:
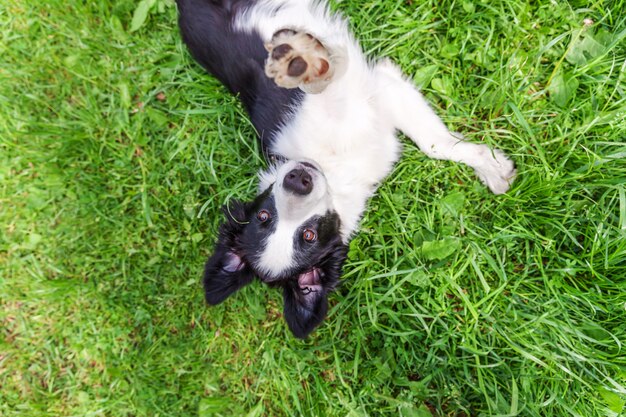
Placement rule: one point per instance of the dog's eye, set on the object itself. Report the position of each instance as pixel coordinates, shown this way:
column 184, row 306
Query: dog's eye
column 263, row 216
column 309, row 235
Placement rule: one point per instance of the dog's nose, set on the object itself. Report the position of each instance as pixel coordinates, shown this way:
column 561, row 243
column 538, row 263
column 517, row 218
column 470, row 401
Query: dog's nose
column 298, row 181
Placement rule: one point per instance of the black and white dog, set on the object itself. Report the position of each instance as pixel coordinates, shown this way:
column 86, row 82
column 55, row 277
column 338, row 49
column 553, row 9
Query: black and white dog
column 327, row 118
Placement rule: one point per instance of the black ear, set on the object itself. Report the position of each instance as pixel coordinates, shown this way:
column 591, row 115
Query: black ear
column 226, row 272
column 305, row 298
column 304, row 309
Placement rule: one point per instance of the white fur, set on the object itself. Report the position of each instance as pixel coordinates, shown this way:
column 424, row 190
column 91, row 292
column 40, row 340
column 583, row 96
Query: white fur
column 278, row 254
column 349, row 129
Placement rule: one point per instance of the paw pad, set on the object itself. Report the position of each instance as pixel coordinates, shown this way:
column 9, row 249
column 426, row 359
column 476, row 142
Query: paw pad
column 297, row 59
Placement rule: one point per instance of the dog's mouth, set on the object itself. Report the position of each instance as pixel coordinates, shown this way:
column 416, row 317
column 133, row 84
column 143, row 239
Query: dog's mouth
column 308, row 281
column 309, row 278
column 311, row 164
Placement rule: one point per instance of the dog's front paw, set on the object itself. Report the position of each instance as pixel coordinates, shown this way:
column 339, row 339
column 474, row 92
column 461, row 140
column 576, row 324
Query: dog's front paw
column 297, row 59
column 496, row 171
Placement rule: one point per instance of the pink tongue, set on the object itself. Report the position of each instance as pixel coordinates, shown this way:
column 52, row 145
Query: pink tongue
column 309, row 278
column 233, row 263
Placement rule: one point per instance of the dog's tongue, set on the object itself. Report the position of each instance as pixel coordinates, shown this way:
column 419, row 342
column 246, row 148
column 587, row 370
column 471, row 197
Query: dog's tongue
column 310, row 278
column 233, row 263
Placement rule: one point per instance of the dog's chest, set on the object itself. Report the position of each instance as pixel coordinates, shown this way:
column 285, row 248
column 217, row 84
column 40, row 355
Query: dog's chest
column 345, row 134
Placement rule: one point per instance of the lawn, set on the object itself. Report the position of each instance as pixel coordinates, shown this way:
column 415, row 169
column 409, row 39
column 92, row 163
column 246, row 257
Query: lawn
column 117, row 151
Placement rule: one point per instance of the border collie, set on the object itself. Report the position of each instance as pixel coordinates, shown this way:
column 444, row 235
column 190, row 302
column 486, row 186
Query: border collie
column 327, row 118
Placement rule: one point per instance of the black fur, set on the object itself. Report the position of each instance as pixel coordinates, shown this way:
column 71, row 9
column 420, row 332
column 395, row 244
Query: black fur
column 220, row 283
column 237, row 59
column 305, row 308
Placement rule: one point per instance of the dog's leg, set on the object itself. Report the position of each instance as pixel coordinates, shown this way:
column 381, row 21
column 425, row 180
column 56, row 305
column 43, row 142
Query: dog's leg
column 297, row 59
column 410, row 113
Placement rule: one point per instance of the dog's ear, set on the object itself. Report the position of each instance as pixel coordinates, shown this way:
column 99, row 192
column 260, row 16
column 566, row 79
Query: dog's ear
column 306, row 298
column 226, row 272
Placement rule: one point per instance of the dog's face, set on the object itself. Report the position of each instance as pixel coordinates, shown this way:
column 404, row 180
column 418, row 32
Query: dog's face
column 289, row 236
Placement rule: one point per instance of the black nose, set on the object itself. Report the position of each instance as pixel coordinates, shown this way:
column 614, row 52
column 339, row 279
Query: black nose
column 298, row 181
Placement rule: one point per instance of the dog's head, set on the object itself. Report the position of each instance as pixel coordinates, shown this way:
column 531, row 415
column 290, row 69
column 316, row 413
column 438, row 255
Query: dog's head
column 289, row 236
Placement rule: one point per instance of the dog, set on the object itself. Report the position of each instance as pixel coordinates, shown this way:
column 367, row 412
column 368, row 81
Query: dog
column 326, row 117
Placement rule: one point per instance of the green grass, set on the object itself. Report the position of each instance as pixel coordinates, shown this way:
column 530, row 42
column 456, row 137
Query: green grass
column 116, row 152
